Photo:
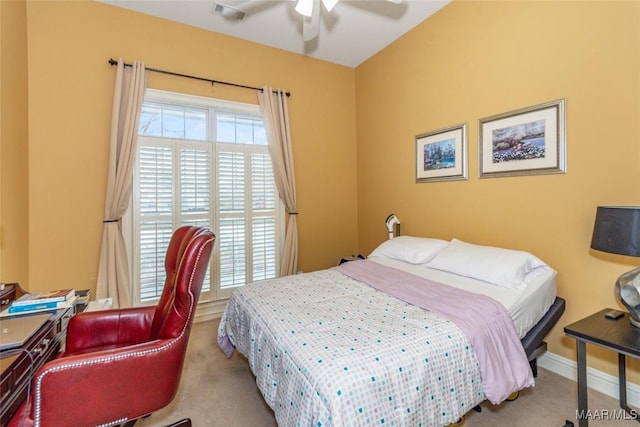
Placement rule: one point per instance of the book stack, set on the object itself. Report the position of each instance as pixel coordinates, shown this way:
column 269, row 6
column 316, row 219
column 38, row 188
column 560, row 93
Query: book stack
column 52, row 300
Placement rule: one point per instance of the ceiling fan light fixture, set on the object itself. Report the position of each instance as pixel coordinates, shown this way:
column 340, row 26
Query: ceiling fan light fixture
column 304, row 7
column 228, row 12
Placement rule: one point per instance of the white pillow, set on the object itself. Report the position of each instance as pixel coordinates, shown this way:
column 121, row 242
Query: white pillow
column 414, row 250
column 502, row 267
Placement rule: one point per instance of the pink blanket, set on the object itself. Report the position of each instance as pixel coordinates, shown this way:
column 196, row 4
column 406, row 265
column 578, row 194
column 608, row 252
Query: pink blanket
column 486, row 323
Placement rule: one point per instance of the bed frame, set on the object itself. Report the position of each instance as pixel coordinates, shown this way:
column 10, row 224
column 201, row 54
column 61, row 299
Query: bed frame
column 532, row 342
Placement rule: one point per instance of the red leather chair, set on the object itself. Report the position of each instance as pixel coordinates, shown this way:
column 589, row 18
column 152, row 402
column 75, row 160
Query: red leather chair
column 122, row 364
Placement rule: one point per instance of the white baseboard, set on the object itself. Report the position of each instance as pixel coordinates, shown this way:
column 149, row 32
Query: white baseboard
column 596, row 380
column 210, row 310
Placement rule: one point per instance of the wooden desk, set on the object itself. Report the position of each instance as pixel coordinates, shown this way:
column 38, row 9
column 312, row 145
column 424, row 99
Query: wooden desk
column 16, row 368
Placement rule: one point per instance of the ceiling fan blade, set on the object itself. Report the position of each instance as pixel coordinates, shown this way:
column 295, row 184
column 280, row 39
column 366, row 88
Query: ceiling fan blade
column 329, row 4
column 233, row 3
column 311, row 25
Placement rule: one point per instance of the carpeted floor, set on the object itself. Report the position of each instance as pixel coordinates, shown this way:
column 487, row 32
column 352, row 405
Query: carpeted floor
column 216, row 391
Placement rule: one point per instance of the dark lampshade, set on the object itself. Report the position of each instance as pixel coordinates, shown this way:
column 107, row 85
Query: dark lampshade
column 617, row 230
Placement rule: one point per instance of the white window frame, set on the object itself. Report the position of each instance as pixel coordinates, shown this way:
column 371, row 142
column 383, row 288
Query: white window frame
column 131, row 222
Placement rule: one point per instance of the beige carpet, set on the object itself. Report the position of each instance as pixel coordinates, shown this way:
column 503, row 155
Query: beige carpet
column 216, row 391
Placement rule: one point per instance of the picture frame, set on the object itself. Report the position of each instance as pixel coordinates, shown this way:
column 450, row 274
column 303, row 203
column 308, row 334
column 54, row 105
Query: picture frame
column 528, row 141
column 441, row 155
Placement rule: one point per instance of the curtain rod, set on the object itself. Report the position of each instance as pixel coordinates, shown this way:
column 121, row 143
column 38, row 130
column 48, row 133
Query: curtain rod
column 155, row 70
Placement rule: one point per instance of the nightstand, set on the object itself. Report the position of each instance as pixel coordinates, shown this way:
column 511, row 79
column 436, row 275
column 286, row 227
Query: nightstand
column 617, row 335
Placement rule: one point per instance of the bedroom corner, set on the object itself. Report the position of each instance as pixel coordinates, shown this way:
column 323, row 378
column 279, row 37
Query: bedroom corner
column 476, row 59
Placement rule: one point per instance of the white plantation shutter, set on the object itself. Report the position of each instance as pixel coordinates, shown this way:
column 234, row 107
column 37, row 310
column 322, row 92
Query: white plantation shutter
column 156, row 181
column 231, row 181
column 248, row 198
column 208, row 167
column 195, row 182
column 263, row 190
column 232, row 233
column 263, row 199
column 154, row 239
column 195, row 191
column 233, row 252
column 264, row 250
column 155, row 165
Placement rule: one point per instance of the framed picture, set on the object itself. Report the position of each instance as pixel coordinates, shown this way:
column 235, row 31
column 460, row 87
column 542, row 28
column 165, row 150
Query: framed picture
column 441, row 155
column 528, row 141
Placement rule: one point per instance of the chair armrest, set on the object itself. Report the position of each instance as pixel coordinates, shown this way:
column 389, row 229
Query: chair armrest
column 108, row 329
column 88, row 389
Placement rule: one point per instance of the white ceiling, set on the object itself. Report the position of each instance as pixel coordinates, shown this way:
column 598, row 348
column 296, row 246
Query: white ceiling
column 351, row 33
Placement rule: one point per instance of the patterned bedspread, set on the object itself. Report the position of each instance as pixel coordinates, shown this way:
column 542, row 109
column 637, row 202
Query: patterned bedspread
column 328, row 350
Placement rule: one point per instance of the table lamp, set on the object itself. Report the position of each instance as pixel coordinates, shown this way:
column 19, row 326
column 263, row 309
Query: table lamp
column 617, row 231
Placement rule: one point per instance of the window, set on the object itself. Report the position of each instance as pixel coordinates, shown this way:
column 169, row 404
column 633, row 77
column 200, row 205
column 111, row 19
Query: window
column 203, row 162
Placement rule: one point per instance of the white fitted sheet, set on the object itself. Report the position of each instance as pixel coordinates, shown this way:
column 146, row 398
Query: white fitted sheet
column 526, row 306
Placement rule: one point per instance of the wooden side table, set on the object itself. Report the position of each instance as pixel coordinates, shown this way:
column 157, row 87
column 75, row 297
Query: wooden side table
column 613, row 334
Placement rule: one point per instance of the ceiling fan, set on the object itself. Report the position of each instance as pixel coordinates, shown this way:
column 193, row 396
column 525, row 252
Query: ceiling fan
column 308, row 9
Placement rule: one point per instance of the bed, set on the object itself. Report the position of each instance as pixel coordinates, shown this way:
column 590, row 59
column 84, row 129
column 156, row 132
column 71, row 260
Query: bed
column 419, row 333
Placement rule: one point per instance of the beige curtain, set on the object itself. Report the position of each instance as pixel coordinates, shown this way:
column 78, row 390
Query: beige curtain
column 273, row 106
column 113, row 270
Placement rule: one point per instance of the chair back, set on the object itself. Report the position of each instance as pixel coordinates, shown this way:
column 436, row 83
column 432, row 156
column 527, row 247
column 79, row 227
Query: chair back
column 186, row 262
column 122, row 364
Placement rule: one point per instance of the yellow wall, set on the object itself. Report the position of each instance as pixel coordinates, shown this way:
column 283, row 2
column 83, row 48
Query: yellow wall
column 474, row 59
column 70, row 87
column 13, row 143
